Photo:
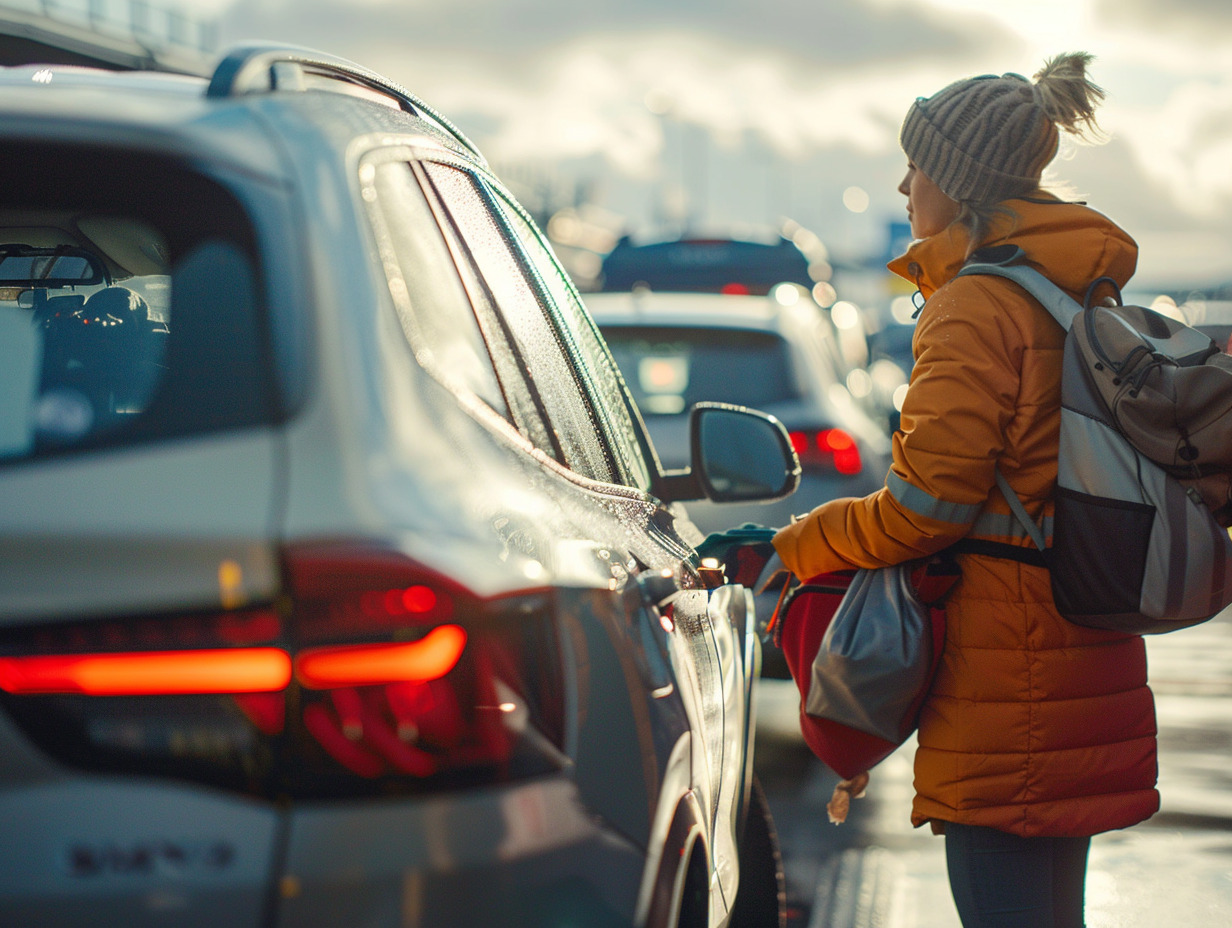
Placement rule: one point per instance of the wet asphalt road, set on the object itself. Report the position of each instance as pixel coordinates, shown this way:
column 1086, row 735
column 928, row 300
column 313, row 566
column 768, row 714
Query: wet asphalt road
column 875, row 870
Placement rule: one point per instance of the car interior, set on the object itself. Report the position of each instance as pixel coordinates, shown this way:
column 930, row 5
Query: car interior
column 85, row 303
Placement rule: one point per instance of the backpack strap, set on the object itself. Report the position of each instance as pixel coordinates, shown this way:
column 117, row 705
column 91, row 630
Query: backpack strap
column 1037, row 556
column 1007, row 552
column 1002, row 262
column 1062, row 307
column 1020, row 512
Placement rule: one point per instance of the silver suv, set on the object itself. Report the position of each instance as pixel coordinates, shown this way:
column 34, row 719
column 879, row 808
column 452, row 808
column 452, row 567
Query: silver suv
column 339, row 581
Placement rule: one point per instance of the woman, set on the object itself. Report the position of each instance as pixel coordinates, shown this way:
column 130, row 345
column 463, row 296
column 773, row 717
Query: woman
column 1037, row 733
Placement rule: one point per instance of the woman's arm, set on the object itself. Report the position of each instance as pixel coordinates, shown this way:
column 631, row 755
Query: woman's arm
column 962, row 398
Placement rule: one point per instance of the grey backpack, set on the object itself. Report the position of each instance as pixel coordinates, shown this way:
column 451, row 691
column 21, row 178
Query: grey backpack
column 1140, row 541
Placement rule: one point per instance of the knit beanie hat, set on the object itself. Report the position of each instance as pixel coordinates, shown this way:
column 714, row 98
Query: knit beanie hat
column 986, row 139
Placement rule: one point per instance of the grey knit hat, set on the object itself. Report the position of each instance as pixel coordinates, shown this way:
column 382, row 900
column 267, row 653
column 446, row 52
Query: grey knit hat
column 982, row 139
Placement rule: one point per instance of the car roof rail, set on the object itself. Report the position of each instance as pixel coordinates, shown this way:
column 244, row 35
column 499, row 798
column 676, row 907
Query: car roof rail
column 254, row 67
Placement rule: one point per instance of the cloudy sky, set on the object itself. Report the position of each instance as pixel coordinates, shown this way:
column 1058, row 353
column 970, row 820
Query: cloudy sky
column 732, row 111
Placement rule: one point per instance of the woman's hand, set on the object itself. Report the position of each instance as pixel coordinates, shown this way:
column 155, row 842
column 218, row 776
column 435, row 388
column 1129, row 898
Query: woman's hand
column 844, row 792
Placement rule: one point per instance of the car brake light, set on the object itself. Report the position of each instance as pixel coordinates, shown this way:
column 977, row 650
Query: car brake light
column 844, row 449
column 430, row 658
column 402, row 673
column 374, row 675
column 828, row 448
column 219, row 670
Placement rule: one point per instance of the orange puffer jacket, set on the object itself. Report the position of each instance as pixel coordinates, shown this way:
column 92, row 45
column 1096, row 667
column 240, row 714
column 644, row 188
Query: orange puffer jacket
column 1034, row 725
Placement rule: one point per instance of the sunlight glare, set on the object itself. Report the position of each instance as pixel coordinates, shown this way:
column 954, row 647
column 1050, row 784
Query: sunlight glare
column 856, row 199
column 903, row 310
column 845, row 315
column 1049, row 26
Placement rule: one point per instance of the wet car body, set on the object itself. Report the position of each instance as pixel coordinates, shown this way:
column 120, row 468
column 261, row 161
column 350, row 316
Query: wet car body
column 323, row 477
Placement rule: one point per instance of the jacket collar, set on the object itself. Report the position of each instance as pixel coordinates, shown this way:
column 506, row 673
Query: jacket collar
column 931, row 262
column 1070, row 242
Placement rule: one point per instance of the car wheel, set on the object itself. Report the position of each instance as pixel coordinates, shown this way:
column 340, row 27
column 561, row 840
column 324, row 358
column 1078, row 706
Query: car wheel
column 761, row 900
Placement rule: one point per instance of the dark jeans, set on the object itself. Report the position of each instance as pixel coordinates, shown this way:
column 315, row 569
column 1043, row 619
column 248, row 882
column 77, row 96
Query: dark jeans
column 1000, row 880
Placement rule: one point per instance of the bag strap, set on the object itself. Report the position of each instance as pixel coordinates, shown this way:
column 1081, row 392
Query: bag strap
column 1007, row 552
column 771, row 630
column 1001, row 263
column 1020, row 512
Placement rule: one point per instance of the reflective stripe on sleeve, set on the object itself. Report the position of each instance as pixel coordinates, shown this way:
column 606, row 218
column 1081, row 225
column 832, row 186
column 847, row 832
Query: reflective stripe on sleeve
column 914, row 499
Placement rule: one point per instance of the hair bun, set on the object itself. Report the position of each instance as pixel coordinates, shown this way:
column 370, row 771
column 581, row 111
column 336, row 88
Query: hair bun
column 1067, row 96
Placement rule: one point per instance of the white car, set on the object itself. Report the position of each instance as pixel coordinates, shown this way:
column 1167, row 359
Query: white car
column 777, row 352
column 339, row 583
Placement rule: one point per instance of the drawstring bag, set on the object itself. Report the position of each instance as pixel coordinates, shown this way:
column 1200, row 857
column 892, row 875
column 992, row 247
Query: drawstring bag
column 862, row 647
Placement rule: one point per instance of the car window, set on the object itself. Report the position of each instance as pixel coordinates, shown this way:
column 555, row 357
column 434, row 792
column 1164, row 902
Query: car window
column 671, row 368
column 521, row 391
column 576, row 434
column 83, row 359
column 428, row 296
column 129, row 305
column 602, row 373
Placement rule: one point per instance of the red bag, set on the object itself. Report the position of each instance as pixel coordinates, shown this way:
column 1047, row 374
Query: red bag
column 848, row 739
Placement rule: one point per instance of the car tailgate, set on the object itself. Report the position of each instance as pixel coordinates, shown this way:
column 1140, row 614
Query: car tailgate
column 184, row 524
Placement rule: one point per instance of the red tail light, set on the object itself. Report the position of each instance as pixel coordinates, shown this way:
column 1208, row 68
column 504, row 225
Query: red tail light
column 828, row 448
column 220, row 670
column 430, row 658
column 377, row 675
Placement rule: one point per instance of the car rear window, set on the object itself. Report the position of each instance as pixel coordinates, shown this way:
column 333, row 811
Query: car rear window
column 128, row 303
column 670, row 369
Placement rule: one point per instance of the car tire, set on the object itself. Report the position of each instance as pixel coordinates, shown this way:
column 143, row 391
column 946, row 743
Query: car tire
column 761, row 900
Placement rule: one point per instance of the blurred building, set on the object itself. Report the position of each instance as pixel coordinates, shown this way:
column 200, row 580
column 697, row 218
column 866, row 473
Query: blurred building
column 116, row 34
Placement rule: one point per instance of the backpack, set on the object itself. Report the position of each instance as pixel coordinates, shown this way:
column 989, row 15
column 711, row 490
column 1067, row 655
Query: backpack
column 1140, row 540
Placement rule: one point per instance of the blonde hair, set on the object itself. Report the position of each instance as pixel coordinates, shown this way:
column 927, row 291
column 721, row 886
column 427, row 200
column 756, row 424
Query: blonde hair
column 1068, row 97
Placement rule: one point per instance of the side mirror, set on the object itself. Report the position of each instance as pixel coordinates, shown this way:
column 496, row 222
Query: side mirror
column 738, row 455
